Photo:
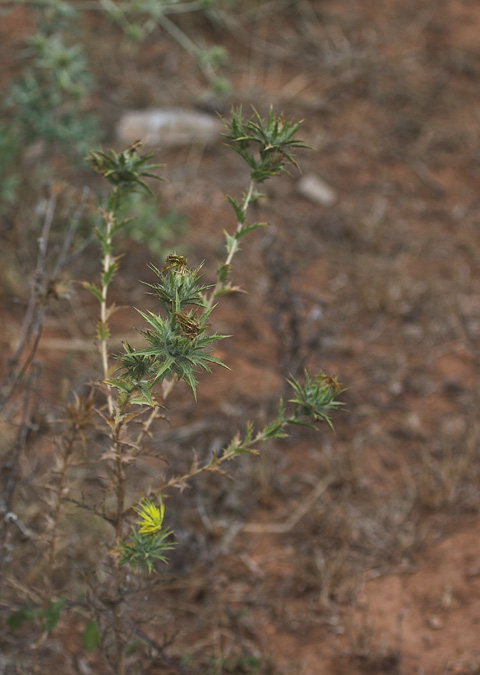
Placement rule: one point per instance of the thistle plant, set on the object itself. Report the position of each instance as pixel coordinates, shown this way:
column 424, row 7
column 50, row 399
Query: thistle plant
column 178, row 344
column 178, row 341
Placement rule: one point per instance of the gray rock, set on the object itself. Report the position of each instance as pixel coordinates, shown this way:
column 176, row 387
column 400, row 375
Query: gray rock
column 169, row 127
column 313, row 188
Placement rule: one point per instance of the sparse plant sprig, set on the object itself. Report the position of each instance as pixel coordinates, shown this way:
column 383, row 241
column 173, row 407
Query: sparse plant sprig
column 312, row 400
column 265, row 144
column 315, row 399
column 47, row 106
column 140, row 18
column 125, row 170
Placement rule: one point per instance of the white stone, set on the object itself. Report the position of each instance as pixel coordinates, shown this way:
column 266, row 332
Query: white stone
column 169, row 127
column 315, row 189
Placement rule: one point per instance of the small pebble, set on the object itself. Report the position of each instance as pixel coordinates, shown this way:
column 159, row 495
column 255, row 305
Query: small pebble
column 435, row 622
column 315, row 189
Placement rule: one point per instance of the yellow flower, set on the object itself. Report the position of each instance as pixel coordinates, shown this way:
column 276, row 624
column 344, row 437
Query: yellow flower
column 151, row 517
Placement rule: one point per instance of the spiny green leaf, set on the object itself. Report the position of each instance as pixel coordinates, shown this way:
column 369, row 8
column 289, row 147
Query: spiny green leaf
column 248, row 228
column 103, row 331
column 94, row 290
column 104, row 243
column 223, row 272
column 239, row 211
column 109, row 273
column 274, row 430
column 231, row 242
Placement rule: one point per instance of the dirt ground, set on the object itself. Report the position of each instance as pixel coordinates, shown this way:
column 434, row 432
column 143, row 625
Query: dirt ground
column 381, row 573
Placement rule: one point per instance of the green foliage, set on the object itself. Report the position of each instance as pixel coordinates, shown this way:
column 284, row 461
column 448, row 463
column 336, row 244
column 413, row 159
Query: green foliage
column 178, row 285
column 315, row 399
column 49, row 617
column 177, row 343
column 49, row 100
column 125, row 170
column 264, row 144
column 214, row 56
column 47, row 109
column 94, row 290
column 91, row 636
column 143, row 549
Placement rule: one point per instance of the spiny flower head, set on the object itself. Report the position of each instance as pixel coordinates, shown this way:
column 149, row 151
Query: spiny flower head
column 151, row 516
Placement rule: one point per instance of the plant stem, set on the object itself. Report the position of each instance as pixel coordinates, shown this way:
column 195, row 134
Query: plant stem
column 107, row 261
column 120, row 474
column 220, row 285
column 118, row 574
column 245, row 205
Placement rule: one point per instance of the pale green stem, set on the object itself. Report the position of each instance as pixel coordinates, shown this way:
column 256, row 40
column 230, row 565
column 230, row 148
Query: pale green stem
column 107, row 260
column 219, row 285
